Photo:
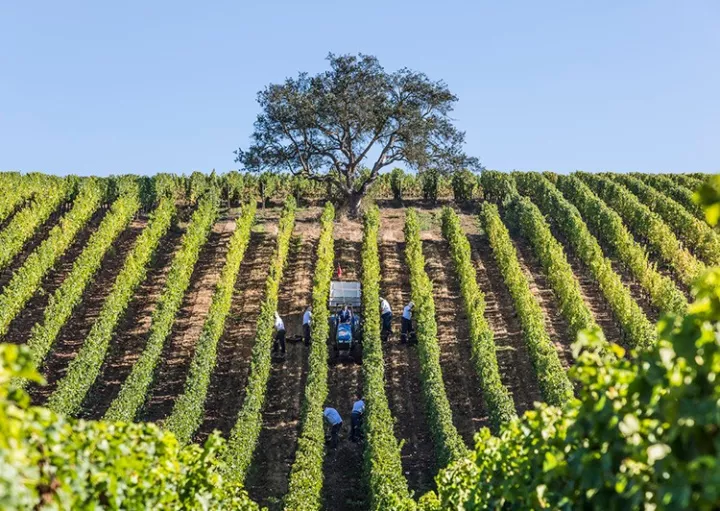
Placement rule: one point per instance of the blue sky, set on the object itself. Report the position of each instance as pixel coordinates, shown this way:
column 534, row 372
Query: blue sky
column 144, row 87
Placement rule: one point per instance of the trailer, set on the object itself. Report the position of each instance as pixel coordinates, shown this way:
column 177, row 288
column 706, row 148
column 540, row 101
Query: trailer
column 345, row 321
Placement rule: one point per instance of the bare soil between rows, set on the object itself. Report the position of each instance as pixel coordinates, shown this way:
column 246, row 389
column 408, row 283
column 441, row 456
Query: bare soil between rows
column 132, row 336
column 343, row 488
column 267, row 479
column 73, row 334
column 21, row 327
column 402, row 365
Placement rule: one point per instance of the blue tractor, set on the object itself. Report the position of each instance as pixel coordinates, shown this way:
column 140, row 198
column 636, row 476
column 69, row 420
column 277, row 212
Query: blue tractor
column 345, row 321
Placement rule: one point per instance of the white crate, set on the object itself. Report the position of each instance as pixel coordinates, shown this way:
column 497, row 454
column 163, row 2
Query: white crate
column 345, row 293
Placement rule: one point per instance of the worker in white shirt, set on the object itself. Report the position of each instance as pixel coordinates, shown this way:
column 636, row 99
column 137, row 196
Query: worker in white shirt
column 406, row 328
column 386, row 317
column 307, row 321
column 333, row 419
column 279, row 334
column 358, row 410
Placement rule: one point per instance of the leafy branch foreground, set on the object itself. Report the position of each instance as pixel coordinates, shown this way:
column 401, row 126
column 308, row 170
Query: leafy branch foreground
column 643, row 433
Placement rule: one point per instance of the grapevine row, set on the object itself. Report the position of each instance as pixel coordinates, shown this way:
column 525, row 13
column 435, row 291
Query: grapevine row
column 646, row 225
column 16, row 189
column 85, row 367
column 27, row 221
column 610, row 229
column 26, row 280
column 14, row 193
column 639, row 331
column 245, row 433
column 383, row 463
column 685, row 180
column 500, row 188
column 306, row 475
column 497, row 398
column 69, row 294
column 696, row 233
column 676, row 191
column 553, row 380
column 448, row 444
column 134, row 390
column 187, row 412
column 558, row 271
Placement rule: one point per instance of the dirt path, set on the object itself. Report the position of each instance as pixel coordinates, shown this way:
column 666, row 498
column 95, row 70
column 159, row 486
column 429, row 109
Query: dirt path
column 32, row 313
column 592, row 294
column 40, row 234
column 267, row 480
column 77, row 328
column 343, row 487
column 516, row 369
column 636, row 290
column 227, row 384
column 461, row 382
column 130, row 339
column 555, row 323
column 402, row 366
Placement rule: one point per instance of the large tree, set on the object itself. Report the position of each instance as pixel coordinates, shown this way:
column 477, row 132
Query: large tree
column 330, row 126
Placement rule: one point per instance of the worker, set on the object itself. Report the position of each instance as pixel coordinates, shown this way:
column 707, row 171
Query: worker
column 406, row 328
column 386, row 317
column 279, row 335
column 333, row 419
column 346, row 315
column 358, row 410
column 307, row 321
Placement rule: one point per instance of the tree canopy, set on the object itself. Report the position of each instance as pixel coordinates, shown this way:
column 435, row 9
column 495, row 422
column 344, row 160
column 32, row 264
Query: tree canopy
column 327, row 127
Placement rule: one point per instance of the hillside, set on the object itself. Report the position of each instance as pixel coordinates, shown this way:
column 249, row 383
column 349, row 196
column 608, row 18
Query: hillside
column 158, row 307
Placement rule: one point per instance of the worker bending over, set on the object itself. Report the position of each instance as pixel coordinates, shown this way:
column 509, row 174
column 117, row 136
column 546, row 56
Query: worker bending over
column 307, row 321
column 334, row 421
column 358, row 410
column 386, row 317
column 279, row 335
column 406, row 329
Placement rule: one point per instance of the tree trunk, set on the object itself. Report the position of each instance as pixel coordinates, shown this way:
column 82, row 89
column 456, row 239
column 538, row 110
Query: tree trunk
column 352, row 205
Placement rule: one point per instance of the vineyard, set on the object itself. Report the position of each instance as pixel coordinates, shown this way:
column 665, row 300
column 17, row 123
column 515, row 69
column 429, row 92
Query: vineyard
column 153, row 300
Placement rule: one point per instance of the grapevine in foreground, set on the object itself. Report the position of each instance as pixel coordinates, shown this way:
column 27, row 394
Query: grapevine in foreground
column 642, row 435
